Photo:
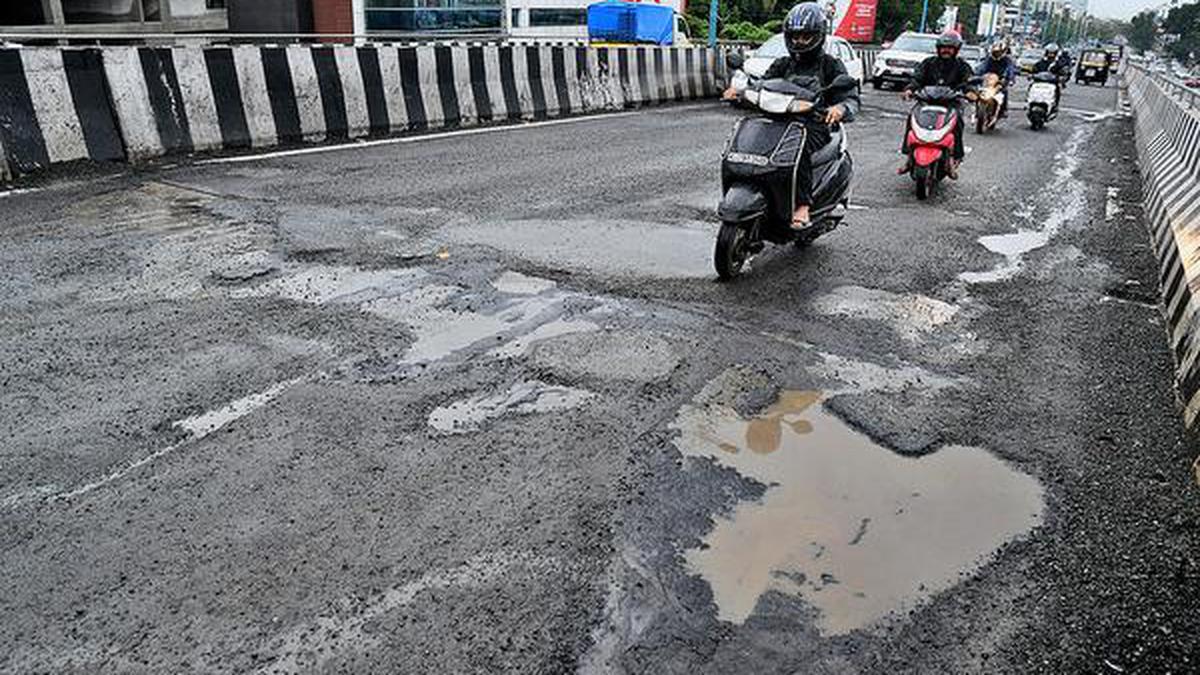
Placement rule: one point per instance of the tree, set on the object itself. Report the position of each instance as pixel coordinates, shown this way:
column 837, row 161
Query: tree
column 893, row 17
column 1184, row 22
column 1142, row 30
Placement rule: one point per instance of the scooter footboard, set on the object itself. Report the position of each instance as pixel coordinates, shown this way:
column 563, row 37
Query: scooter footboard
column 742, row 202
column 832, row 181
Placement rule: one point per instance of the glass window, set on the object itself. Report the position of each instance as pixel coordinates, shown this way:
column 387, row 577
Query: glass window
column 434, row 15
column 516, row 18
column 22, row 14
column 192, row 8
column 916, row 43
column 542, row 16
column 101, row 11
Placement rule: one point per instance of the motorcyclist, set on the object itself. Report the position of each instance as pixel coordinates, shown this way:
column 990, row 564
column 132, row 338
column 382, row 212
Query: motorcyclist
column 1052, row 62
column 945, row 69
column 804, row 31
column 999, row 63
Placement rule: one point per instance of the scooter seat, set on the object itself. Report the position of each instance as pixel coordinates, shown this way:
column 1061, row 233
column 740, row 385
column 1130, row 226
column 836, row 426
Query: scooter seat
column 830, row 151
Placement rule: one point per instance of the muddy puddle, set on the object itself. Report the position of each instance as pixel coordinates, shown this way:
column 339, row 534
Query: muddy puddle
column 850, row 527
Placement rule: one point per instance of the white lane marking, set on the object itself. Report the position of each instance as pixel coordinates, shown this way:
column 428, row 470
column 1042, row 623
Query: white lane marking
column 310, row 646
column 411, row 139
column 197, row 427
column 18, row 191
column 447, row 134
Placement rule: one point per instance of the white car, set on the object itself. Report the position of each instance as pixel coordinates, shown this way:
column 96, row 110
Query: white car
column 760, row 59
column 895, row 64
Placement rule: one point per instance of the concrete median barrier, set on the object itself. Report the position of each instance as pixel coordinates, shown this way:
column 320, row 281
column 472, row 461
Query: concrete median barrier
column 1168, row 142
column 61, row 104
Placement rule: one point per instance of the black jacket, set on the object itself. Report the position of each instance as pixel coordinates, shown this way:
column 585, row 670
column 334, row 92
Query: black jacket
column 1047, row 66
column 825, row 68
column 938, row 72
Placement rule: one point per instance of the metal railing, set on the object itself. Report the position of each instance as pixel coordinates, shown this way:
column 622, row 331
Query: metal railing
column 1173, row 87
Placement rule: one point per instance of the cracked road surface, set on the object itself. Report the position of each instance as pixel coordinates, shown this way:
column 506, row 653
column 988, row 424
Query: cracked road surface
column 476, row 404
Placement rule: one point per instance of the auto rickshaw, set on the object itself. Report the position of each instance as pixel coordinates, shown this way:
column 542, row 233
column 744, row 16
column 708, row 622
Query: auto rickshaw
column 1093, row 67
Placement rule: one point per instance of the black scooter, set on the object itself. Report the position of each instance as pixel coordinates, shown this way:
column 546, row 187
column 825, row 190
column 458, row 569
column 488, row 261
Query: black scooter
column 758, row 172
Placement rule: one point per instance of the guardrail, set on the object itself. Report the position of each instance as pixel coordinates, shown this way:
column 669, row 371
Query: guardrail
column 1174, row 87
column 1167, row 126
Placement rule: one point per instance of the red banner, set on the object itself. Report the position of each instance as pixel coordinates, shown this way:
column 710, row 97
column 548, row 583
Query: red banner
column 855, row 20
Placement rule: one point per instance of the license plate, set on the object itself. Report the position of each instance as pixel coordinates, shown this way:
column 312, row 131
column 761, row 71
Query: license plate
column 1091, row 71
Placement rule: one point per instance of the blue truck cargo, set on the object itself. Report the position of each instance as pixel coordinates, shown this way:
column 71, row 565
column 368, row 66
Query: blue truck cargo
column 631, row 22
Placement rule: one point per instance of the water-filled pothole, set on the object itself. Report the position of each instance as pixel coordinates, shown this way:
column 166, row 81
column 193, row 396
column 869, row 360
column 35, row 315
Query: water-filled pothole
column 854, row 529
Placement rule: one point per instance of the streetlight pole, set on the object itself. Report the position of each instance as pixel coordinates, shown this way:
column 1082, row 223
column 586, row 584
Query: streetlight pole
column 924, row 14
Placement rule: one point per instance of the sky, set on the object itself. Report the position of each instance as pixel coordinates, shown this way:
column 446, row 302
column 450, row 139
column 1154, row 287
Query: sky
column 1119, row 9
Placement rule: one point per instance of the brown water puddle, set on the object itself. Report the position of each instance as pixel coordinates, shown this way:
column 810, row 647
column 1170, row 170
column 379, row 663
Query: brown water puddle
column 854, row 529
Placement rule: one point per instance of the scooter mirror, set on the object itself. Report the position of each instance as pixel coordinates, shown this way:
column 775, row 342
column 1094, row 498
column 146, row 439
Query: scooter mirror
column 734, row 60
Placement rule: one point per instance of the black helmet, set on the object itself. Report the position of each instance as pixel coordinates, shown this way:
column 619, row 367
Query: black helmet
column 804, row 30
column 948, row 44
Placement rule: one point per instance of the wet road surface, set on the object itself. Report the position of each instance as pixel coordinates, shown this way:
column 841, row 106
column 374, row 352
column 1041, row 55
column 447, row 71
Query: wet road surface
column 476, row 404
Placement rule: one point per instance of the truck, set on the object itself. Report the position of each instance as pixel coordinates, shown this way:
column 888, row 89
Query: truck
column 617, row 22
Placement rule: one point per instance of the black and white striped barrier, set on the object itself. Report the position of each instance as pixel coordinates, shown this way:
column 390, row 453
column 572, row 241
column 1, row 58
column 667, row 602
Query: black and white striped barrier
column 114, row 103
column 1168, row 143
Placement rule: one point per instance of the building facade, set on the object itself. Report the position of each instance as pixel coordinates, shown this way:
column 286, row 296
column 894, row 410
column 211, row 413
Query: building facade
column 113, row 16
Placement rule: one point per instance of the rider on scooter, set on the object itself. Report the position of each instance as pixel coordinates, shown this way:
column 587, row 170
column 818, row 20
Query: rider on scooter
column 1000, row 64
column 804, row 31
column 945, row 69
column 1052, row 62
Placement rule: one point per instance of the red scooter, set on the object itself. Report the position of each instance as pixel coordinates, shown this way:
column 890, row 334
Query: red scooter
column 930, row 137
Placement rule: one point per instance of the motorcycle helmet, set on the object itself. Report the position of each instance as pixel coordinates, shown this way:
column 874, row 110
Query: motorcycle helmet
column 949, row 44
column 804, row 30
column 1051, row 51
column 999, row 49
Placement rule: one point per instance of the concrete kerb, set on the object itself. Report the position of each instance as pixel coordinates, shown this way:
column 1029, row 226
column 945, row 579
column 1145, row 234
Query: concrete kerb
column 1165, row 131
column 186, row 99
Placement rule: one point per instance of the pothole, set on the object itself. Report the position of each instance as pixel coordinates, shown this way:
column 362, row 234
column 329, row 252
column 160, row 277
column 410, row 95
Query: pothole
column 853, row 529
column 912, row 316
column 523, row 398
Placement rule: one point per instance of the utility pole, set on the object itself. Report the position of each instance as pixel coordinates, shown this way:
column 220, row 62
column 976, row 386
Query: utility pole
column 712, row 23
column 924, row 14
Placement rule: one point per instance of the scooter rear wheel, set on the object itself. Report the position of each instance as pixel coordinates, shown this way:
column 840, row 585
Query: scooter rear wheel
column 923, row 175
column 732, row 250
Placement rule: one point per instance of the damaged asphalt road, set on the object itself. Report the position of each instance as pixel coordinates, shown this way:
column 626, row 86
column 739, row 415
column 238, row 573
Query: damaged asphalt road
column 477, row 405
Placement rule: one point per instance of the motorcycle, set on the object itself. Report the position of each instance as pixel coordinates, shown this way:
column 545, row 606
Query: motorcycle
column 1041, row 103
column 989, row 103
column 930, row 136
column 758, row 172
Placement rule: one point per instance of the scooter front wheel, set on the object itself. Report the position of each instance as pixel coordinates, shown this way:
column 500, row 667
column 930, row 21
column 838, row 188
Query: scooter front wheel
column 732, row 250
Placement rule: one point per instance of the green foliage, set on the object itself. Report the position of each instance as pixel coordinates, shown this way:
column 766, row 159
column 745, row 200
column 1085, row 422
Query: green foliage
column 1142, row 30
column 744, row 31
column 893, row 17
column 1184, row 21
